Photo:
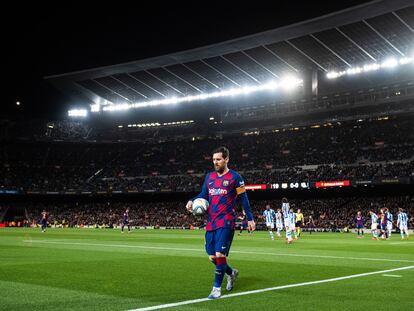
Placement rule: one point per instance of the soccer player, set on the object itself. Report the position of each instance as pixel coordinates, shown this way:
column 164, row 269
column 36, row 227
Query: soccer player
column 269, row 215
column 383, row 224
column 293, row 222
column 374, row 220
column 279, row 222
column 390, row 219
column 359, row 220
column 287, row 220
column 402, row 223
column 222, row 188
column 299, row 221
column 43, row 220
column 243, row 224
column 125, row 221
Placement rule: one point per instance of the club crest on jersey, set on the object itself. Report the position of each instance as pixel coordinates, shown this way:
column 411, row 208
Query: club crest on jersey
column 225, row 183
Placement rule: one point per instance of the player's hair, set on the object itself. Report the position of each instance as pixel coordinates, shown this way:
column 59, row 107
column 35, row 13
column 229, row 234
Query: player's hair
column 284, row 200
column 223, row 150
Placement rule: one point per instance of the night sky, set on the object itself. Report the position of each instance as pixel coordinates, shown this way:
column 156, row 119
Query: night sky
column 41, row 41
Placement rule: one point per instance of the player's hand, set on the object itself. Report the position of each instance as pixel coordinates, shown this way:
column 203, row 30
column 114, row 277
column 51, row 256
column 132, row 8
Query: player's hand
column 189, row 206
column 252, row 225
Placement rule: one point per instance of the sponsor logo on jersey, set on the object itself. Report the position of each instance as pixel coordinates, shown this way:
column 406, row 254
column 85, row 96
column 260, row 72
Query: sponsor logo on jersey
column 217, row 191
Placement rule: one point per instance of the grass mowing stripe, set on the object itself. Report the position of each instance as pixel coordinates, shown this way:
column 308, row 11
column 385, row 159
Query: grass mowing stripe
column 235, row 251
column 393, row 275
column 257, row 291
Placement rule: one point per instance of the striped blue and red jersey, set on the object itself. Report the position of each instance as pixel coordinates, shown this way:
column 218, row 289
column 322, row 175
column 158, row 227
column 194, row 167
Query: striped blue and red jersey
column 222, row 193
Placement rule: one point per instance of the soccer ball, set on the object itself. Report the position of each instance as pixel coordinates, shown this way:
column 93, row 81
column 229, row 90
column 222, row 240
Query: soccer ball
column 200, row 206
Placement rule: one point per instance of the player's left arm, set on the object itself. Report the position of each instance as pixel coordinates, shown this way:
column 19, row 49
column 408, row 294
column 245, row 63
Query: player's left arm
column 244, row 200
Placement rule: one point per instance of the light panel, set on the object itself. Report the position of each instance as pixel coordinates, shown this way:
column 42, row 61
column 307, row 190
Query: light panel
column 286, row 84
column 388, row 63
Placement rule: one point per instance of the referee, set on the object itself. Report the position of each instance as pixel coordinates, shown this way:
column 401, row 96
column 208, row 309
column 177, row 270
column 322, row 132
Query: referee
column 299, row 221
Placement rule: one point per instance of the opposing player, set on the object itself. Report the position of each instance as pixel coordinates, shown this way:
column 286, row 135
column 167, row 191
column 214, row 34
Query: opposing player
column 43, row 220
column 222, row 188
column 374, row 225
column 279, row 222
column 287, row 220
column 270, row 216
column 402, row 223
column 125, row 221
column 390, row 219
column 300, row 221
column 292, row 215
column 359, row 220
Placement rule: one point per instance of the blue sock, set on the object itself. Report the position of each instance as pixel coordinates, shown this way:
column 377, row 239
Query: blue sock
column 229, row 270
column 221, row 265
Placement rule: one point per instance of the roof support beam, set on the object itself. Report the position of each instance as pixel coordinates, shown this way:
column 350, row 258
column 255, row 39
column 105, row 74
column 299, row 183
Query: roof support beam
column 148, row 86
column 356, row 44
column 330, row 50
column 185, row 81
column 306, row 55
column 260, row 64
column 382, row 37
column 243, row 71
column 130, row 87
column 280, row 58
column 234, row 82
column 199, row 75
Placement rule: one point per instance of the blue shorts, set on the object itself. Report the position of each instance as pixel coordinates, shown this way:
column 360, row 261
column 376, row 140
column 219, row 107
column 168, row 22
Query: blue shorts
column 360, row 226
column 219, row 241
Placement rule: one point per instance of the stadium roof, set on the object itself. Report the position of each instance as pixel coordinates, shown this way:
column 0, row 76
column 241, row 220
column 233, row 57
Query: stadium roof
column 362, row 34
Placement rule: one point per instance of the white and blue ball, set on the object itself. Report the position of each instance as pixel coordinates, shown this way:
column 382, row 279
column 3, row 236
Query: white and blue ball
column 200, row 206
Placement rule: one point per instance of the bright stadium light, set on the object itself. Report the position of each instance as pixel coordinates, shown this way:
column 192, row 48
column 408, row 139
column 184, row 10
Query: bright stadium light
column 289, row 83
column 95, row 108
column 285, row 84
column 78, row 113
column 388, row 63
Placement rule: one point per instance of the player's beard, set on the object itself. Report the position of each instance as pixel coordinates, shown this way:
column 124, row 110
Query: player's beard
column 219, row 169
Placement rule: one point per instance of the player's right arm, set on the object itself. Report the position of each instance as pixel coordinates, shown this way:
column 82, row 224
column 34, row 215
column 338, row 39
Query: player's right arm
column 203, row 194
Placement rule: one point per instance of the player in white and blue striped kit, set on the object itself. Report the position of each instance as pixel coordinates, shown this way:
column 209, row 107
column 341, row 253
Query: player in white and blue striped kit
column 279, row 222
column 374, row 225
column 390, row 219
column 289, row 226
column 402, row 223
column 270, row 216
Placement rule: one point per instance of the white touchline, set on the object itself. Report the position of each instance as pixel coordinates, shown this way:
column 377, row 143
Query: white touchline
column 235, row 251
column 257, row 291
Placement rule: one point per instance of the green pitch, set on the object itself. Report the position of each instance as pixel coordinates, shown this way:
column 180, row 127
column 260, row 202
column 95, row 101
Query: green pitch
column 96, row 269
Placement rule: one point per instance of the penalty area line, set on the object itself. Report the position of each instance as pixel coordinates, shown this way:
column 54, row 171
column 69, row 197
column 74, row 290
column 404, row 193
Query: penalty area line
column 257, row 291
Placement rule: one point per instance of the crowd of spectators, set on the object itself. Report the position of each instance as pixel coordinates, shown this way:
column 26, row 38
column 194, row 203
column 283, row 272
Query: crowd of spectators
column 354, row 149
column 329, row 214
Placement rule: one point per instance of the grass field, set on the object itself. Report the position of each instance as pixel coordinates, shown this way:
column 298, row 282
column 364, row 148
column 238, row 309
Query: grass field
column 75, row 269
